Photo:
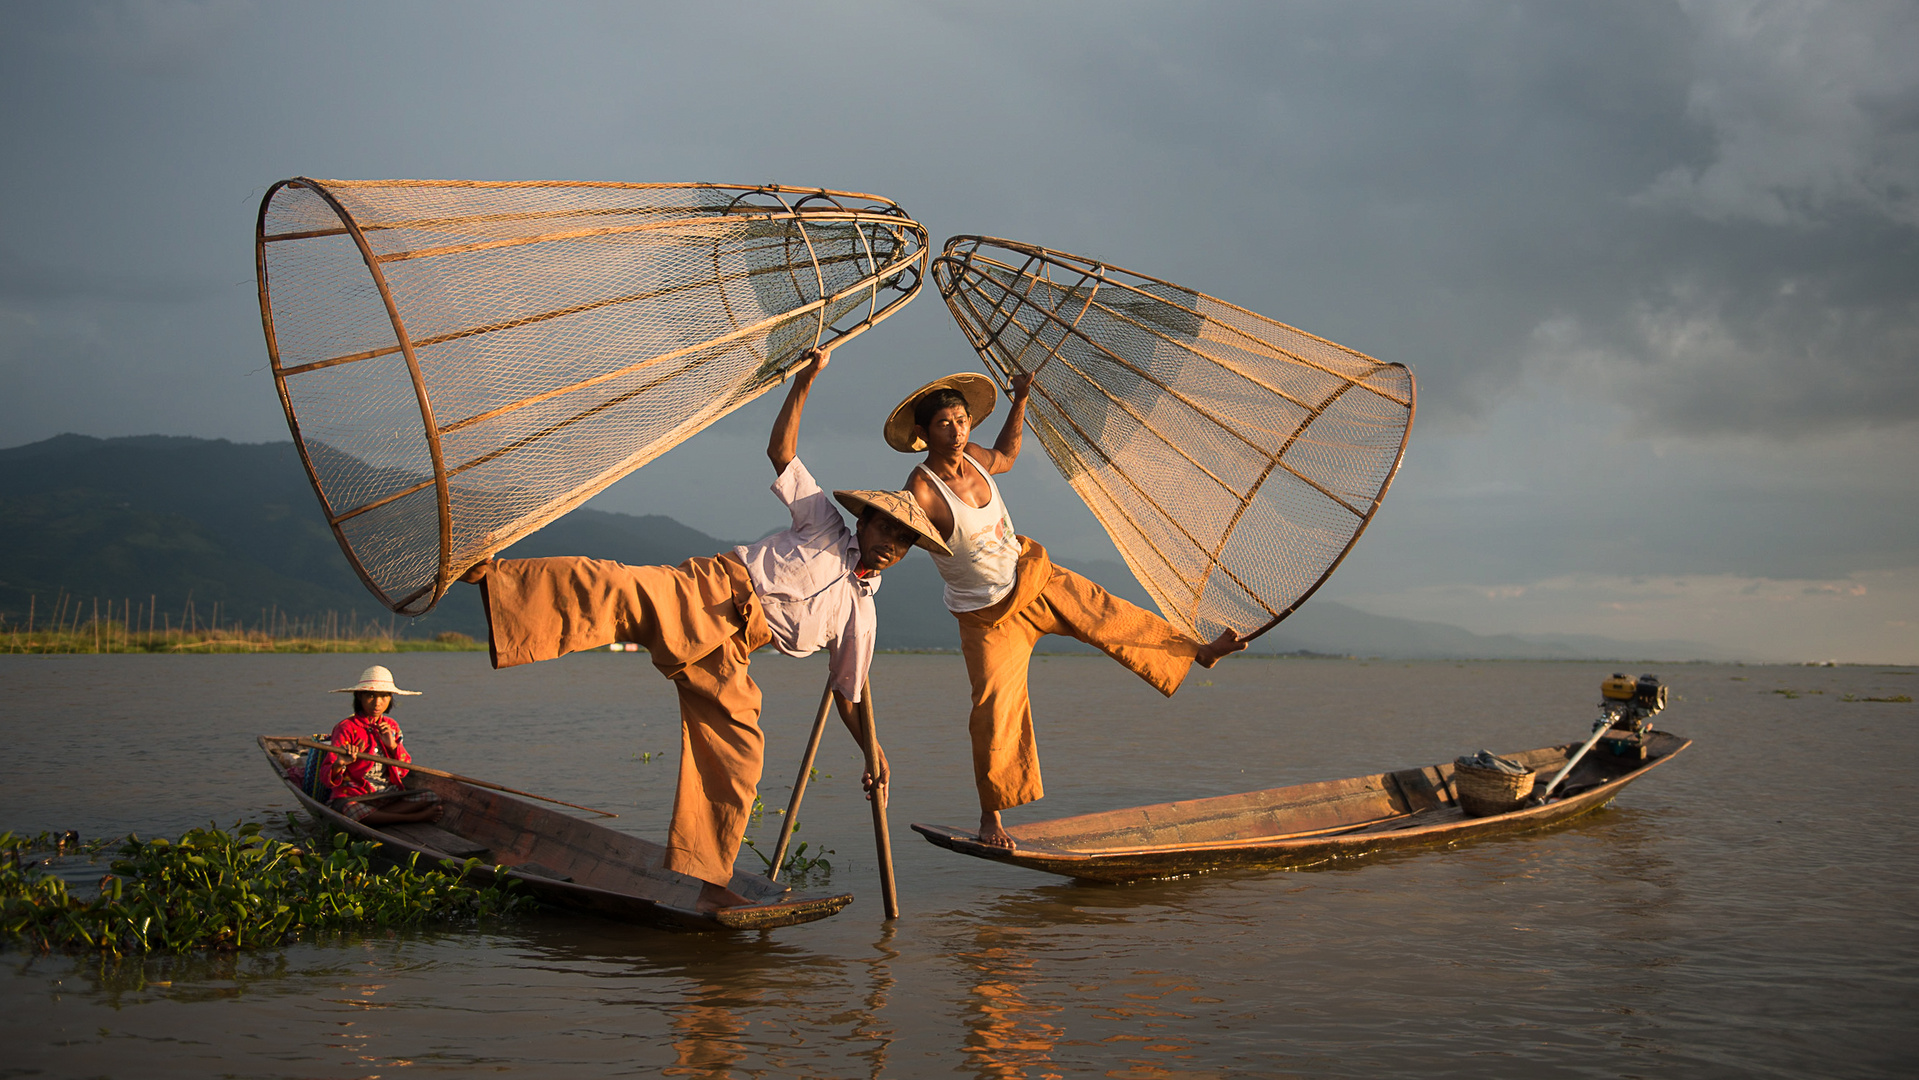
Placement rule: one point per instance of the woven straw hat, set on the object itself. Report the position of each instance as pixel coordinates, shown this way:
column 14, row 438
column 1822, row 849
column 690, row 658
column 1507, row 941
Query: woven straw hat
column 978, row 390
column 378, row 680
column 899, row 506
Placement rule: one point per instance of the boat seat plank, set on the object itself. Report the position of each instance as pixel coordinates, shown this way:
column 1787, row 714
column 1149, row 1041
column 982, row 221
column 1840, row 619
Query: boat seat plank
column 1423, row 789
column 437, row 839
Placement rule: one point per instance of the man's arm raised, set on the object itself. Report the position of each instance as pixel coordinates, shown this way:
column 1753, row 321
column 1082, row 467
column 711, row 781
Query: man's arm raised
column 784, row 444
column 1005, row 449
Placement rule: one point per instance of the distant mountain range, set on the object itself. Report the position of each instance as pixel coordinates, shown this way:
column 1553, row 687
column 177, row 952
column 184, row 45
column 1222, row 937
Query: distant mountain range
column 191, row 523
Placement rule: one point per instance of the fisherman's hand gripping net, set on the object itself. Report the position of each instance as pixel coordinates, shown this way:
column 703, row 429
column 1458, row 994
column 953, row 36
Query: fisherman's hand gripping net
column 462, row 362
column 1233, row 459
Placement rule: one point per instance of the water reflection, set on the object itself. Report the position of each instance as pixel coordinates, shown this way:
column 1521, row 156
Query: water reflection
column 1070, row 974
column 1008, row 1034
column 708, row 1033
column 734, row 1004
column 879, row 989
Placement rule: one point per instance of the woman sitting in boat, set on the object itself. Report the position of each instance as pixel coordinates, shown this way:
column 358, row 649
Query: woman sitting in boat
column 370, row 792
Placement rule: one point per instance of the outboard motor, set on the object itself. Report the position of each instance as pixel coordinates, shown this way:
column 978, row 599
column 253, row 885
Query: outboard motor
column 1626, row 708
column 1629, row 705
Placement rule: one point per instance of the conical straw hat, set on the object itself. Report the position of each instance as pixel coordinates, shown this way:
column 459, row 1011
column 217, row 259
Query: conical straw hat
column 378, row 680
column 901, row 507
column 976, row 389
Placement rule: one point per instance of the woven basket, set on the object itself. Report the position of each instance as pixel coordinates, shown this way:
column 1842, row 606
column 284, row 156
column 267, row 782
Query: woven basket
column 1485, row 792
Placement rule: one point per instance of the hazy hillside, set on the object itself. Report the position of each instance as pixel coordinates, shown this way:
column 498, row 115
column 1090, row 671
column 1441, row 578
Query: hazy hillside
column 205, row 522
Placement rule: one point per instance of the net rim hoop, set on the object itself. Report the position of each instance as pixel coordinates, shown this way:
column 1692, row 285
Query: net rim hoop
column 442, row 495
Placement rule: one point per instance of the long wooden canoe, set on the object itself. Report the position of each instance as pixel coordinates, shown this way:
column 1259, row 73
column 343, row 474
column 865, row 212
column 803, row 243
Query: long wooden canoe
column 559, row 858
column 1306, row 824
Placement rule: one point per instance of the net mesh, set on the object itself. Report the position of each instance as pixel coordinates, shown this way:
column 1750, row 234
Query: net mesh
column 462, row 362
column 1233, row 459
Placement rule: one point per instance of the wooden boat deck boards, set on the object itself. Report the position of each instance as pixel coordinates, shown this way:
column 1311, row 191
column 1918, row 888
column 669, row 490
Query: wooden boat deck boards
column 562, row 859
column 1301, row 824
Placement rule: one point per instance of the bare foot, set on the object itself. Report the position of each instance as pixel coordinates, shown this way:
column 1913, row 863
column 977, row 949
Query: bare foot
column 1226, row 644
column 714, row 897
column 991, row 833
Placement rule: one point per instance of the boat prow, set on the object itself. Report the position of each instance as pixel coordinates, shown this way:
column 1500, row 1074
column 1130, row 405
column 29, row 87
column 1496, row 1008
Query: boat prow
column 561, row 859
column 1304, row 824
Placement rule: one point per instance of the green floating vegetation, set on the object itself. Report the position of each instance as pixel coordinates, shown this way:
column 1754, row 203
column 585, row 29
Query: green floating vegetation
column 220, row 890
column 799, row 867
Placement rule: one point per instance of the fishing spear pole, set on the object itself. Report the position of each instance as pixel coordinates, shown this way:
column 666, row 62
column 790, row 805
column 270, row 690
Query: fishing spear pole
column 799, row 785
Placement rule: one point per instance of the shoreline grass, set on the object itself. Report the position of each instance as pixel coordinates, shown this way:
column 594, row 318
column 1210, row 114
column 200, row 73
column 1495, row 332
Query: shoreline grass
column 112, row 638
column 74, row 625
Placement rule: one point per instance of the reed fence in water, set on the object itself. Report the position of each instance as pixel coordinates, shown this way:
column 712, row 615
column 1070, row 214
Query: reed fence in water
column 72, row 624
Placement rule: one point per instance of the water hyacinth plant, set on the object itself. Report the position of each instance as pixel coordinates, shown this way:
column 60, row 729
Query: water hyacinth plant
column 214, row 889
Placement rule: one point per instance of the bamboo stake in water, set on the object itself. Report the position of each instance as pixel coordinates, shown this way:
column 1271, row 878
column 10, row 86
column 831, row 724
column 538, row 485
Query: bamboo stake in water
column 799, row 785
column 870, row 736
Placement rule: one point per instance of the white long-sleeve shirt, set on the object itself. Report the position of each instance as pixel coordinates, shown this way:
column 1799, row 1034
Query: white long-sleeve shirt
column 809, row 586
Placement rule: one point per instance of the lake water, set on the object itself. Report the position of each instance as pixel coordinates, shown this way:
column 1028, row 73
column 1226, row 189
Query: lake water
column 1751, row 909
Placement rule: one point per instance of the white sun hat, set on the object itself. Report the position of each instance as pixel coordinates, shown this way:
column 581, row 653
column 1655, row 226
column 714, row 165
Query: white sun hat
column 378, row 680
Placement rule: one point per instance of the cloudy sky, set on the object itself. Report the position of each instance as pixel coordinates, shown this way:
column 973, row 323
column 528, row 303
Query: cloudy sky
column 1656, row 265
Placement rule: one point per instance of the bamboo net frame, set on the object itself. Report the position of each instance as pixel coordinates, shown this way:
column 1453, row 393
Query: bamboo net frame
column 1233, row 459
column 462, row 362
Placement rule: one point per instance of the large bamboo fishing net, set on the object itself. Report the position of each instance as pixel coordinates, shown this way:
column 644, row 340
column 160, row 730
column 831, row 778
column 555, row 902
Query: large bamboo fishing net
column 1234, row 460
column 462, row 362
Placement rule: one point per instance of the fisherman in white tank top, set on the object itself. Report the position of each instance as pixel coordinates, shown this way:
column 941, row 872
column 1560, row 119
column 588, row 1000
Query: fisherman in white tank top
column 1007, row 593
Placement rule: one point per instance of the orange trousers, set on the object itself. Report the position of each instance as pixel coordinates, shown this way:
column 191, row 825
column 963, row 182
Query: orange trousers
column 998, row 641
column 701, row 621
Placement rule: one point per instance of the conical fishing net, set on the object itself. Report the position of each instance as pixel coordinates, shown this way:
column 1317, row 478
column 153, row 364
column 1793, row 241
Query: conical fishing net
column 1234, row 460
column 462, row 362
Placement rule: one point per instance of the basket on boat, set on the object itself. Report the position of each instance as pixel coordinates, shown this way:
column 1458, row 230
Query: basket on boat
column 1483, row 791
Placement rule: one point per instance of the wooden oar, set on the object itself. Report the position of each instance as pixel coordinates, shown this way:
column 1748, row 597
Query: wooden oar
column 799, row 785
column 880, row 836
column 316, row 745
column 389, row 793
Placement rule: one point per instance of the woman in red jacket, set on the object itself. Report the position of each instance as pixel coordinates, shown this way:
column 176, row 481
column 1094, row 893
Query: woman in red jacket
column 360, row 786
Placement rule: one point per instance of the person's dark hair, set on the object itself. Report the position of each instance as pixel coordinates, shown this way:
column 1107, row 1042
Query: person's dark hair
column 869, row 512
column 933, row 401
column 362, row 707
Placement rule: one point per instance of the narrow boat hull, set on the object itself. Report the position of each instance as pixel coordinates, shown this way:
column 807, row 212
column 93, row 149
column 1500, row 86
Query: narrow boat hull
column 1305, row 824
column 561, row 859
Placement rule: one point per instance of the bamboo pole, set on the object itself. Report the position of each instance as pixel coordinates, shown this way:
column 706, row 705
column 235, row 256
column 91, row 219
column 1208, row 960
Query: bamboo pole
column 870, row 736
column 799, row 785
column 313, row 744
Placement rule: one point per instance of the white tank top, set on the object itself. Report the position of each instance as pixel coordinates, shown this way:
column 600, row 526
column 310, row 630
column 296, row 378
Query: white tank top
column 985, row 559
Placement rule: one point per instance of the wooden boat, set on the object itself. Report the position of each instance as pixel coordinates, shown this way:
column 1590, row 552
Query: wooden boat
column 1306, row 824
column 559, row 858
